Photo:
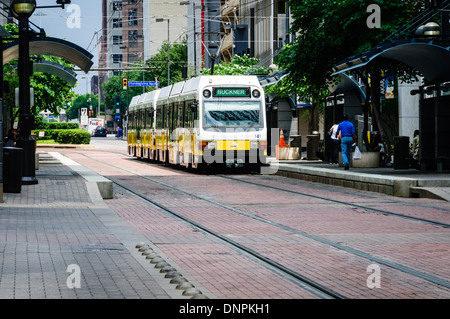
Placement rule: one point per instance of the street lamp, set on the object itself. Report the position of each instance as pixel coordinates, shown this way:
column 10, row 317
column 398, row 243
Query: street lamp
column 168, row 47
column 22, row 10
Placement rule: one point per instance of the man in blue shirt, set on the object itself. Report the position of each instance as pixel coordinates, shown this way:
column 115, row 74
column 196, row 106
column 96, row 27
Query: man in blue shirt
column 346, row 132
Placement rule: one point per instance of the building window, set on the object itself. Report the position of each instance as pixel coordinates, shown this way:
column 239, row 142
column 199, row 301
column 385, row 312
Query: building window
column 132, row 17
column 117, row 6
column 133, row 58
column 117, row 23
column 117, row 40
column 132, row 39
column 117, row 58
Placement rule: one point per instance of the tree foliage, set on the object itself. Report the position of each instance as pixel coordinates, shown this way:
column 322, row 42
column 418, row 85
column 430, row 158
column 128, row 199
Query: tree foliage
column 330, row 31
column 239, row 65
column 154, row 69
column 84, row 101
column 50, row 92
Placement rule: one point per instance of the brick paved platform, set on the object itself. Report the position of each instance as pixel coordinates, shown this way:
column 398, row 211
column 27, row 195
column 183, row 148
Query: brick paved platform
column 63, row 221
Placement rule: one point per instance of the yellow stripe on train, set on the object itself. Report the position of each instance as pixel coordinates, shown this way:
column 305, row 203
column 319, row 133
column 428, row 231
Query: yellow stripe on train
column 233, row 145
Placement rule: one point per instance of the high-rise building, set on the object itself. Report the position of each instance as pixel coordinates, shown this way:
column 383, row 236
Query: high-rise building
column 131, row 32
column 122, row 40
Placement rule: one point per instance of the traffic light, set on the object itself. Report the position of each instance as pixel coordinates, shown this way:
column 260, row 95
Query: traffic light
column 69, row 103
column 125, row 83
column 118, row 108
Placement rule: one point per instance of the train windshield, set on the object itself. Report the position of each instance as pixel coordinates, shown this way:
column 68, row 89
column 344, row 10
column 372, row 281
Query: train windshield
column 232, row 114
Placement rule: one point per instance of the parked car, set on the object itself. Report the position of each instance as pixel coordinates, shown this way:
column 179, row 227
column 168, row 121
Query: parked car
column 99, row 131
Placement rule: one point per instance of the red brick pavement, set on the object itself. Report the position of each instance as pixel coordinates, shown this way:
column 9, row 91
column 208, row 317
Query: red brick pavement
column 230, row 275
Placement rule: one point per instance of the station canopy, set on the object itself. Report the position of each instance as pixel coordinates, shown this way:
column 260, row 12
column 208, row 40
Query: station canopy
column 56, row 69
column 52, row 46
column 429, row 57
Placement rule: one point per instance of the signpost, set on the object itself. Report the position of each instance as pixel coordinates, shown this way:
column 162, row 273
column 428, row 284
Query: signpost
column 84, row 120
column 142, row 83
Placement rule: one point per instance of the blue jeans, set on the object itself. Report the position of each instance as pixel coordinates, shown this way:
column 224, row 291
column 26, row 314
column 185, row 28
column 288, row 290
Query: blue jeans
column 346, row 147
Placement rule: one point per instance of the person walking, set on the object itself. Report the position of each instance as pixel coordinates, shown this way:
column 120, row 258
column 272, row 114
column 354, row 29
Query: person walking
column 347, row 135
column 334, row 144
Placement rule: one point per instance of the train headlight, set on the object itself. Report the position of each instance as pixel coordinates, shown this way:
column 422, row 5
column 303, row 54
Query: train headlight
column 206, row 93
column 253, row 144
column 256, row 93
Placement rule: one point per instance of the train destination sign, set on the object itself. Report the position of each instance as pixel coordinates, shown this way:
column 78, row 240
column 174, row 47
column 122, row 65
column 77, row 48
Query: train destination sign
column 231, row 92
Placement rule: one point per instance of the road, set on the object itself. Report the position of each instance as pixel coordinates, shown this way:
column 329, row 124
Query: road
column 250, row 236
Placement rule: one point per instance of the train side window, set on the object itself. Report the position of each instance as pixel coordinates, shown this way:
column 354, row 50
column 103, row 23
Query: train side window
column 150, row 118
column 168, row 122
column 194, row 110
column 188, row 115
column 160, row 117
column 179, row 122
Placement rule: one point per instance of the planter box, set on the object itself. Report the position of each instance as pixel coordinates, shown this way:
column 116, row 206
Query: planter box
column 288, row 153
column 368, row 159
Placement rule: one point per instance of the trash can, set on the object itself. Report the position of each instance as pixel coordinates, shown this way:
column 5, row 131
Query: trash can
column 296, row 141
column 401, row 152
column 12, row 169
column 312, row 146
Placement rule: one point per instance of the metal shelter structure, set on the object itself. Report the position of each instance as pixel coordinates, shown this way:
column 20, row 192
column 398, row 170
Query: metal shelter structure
column 431, row 57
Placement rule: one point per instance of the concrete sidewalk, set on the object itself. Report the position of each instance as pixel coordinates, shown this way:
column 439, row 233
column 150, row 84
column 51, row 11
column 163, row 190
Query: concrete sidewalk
column 390, row 181
column 59, row 240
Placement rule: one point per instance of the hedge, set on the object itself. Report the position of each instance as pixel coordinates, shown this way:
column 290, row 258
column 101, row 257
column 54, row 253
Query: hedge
column 41, row 125
column 65, row 136
column 77, row 136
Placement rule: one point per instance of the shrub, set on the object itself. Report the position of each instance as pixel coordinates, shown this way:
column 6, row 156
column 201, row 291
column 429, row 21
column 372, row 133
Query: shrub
column 41, row 125
column 73, row 136
column 62, row 126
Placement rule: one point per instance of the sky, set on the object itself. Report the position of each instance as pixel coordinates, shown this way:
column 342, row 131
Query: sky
column 80, row 23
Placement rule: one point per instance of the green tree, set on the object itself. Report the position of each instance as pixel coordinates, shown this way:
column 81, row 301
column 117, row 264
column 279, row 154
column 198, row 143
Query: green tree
column 50, row 92
column 329, row 32
column 82, row 101
column 153, row 69
column 239, row 65
column 178, row 61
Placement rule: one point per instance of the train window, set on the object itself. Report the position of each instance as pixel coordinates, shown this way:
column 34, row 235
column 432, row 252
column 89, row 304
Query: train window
column 194, row 110
column 232, row 114
column 160, row 117
column 179, row 120
column 169, row 120
column 188, row 115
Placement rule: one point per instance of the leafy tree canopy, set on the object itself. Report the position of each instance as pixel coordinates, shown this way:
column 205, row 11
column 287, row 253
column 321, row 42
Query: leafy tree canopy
column 330, row 31
column 239, row 65
column 50, row 92
column 153, row 69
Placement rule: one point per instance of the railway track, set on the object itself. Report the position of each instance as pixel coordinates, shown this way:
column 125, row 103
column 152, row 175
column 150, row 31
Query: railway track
column 375, row 210
column 301, row 280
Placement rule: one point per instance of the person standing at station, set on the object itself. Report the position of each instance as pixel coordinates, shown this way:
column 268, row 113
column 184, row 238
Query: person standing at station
column 334, row 144
column 414, row 150
column 347, row 135
column 12, row 137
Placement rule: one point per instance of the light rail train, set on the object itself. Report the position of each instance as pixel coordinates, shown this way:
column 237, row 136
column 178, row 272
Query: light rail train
column 201, row 121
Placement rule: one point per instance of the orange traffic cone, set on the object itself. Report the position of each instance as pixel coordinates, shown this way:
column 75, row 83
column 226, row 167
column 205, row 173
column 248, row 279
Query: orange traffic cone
column 282, row 143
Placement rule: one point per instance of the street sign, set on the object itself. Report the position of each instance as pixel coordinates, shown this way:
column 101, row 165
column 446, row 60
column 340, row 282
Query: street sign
column 84, row 111
column 84, row 120
column 142, row 83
